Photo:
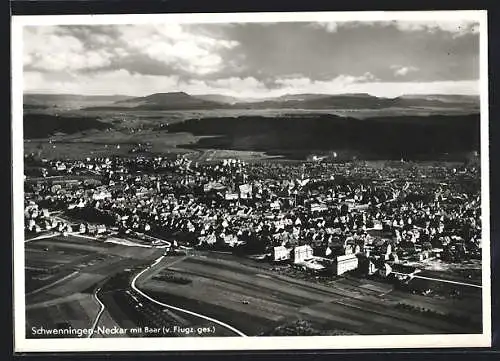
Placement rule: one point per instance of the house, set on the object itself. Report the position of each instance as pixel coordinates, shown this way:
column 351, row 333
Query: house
column 345, row 263
column 245, row 191
column 302, row 253
column 385, row 270
column 91, row 229
column 101, row 195
column 393, row 257
column 281, row 253
column 82, row 228
column 436, row 252
column 423, row 255
column 31, row 225
column 373, row 266
column 382, row 248
column 61, row 167
column 47, row 225
column 100, row 228
column 230, row 239
column 209, row 239
column 318, row 207
column 368, row 249
column 377, row 225
column 276, row 205
column 54, row 223
column 349, row 249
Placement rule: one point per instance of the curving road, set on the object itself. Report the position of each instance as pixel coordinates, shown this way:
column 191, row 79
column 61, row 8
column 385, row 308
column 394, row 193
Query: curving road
column 99, row 314
column 134, row 287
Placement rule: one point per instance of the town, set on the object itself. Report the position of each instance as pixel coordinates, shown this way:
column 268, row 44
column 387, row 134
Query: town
column 322, row 217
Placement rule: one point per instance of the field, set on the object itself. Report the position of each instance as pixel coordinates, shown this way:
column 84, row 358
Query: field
column 256, row 301
column 138, row 117
column 83, row 283
column 470, row 270
column 123, row 142
column 62, row 274
column 107, row 144
column 80, row 283
column 253, row 134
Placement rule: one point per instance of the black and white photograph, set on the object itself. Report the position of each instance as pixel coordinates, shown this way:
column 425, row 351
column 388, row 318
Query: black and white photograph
column 251, row 181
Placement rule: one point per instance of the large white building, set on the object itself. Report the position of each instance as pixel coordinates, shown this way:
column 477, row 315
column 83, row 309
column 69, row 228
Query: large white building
column 281, row 253
column 302, row 253
column 345, row 263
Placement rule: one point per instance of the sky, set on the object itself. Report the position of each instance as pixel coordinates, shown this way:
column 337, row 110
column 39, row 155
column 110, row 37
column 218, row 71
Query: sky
column 253, row 60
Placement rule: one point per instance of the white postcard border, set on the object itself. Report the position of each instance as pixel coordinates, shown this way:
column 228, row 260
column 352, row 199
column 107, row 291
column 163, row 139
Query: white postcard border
column 22, row 344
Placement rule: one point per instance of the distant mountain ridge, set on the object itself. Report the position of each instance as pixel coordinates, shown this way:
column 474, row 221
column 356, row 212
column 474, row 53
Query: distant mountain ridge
column 174, row 100
column 69, row 101
column 185, row 101
column 444, row 98
column 219, row 98
column 57, row 97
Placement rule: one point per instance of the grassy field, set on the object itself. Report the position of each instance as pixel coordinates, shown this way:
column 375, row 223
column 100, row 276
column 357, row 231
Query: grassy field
column 121, row 144
column 257, row 301
column 246, row 294
column 463, row 272
column 79, row 313
column 120, row 131
column 63, row 272
column 132, row 116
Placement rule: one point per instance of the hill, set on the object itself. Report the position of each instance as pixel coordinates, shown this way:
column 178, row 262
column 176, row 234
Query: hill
column 305, row 96
column 340, row 101
column 169, row 101
column 444, row 98
column 365, row 101
column 68, row 101
column 219, row 98
column 307, row 101
column 184, row 101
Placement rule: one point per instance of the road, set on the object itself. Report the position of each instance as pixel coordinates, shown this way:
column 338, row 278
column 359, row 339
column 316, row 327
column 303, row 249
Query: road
column 254, row 300
column 99, row 314
column 134, row 287
column 439, row 280
column 67, row 274
column 448, row 281
column 44, row 236
column 241, row 298
column 60, row 280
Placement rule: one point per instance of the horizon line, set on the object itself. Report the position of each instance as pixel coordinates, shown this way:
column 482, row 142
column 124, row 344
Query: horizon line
column 37, row 92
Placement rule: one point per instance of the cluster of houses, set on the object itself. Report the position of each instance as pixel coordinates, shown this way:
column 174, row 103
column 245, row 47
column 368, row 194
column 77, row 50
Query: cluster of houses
column 92, row 229
column 38, row 220
column 303, row 256
column 340, row 216
column 382, row 264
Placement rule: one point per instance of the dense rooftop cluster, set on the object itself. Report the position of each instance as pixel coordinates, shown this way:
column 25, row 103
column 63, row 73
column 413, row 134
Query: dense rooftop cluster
column 395, row 211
